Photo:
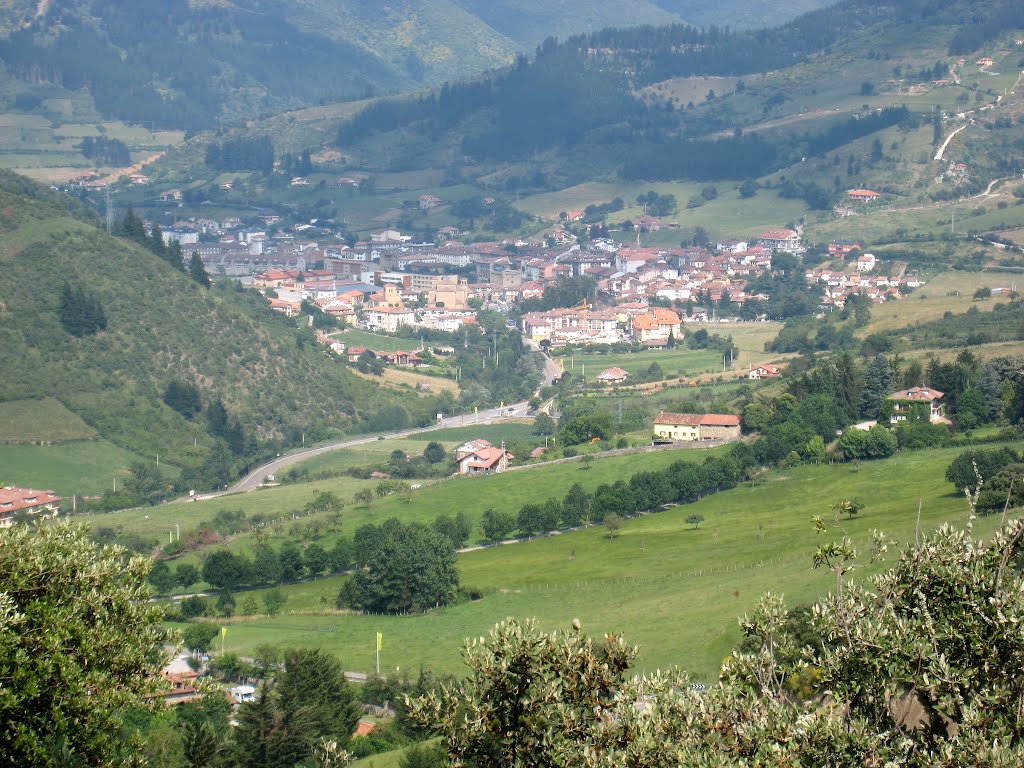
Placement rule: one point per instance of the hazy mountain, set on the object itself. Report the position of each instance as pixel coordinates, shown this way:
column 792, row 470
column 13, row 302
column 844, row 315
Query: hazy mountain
column 193, row 64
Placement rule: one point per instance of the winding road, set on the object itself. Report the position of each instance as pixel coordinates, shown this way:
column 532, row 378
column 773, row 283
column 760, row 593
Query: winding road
column 255, row 478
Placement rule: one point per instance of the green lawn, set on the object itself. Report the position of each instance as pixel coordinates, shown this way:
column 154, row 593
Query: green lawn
column 85, row 467
column 674, row 590
column 45, row 420
column 674, row 362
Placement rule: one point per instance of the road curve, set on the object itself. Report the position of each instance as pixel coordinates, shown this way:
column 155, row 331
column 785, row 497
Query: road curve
column 254, row 479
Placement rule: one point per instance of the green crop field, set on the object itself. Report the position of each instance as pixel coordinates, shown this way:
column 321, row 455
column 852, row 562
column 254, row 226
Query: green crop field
column 674, row 362
column 674, row 590
column 44, row 420
column 85, row 467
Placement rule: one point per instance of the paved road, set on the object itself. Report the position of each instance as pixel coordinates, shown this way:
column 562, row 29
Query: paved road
column 255, row 478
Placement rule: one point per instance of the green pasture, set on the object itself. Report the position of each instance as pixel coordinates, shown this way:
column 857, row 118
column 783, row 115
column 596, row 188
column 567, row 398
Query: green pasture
column 674, row 590
column 413, row 445
column 356, row 338
column 725, row 216
column 506, row 492
column 946, row 292
column 86, row 467
column 45, row 420
column 674, row 362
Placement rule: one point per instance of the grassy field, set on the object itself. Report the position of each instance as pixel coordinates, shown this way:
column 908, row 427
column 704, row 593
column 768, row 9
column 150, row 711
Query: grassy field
column 726, row 215
column 379, row 451
column 85, row 467
column 505, row 492
column 674, row 590
column 946, row 292
column 674, row 362
column 45, row 420
column 404, row 378
column 356, row 338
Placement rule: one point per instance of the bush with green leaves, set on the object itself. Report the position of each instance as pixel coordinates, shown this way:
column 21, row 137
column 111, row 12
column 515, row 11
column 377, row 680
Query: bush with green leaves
column 915, row 667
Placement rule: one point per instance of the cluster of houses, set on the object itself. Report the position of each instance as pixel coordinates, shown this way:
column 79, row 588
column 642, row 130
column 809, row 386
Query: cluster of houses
column 26, row 501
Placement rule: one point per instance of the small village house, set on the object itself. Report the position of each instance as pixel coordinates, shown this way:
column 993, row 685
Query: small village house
column 479, row 457
column 612, row 375
column 765, row 371
column 906, row 401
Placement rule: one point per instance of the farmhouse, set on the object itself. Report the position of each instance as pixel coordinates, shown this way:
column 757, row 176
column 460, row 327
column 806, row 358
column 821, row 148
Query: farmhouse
column 862, row 195
column 612, row 376
column 683, row 427
column 479, row 457
column 14, row 500
column 764, row 372
column 906, row 401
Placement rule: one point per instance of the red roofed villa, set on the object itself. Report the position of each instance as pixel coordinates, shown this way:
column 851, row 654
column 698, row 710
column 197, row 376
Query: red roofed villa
column 479, row 457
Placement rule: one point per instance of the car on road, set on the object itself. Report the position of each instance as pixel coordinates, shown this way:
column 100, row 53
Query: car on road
column 381, row 437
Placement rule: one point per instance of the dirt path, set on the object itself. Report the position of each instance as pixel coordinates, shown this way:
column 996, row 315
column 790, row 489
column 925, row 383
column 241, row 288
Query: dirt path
column 942, row 149
column 113, row 177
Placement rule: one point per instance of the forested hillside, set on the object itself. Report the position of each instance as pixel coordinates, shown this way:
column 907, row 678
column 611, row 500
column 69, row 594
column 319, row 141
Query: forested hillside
column 209, row 378
column 189, row 65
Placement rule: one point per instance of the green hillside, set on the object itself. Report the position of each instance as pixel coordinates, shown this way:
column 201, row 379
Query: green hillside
column 191, row 65
column 160, row 326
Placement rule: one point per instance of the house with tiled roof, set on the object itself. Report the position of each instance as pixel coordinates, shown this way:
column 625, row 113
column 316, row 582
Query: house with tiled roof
column 862, row 195
column 780, row 239
column 684, row 427
column 26, row 501
column 479, row 457
column 612, row 375
column 654, row 327
column 765, row 371
column 906, row 401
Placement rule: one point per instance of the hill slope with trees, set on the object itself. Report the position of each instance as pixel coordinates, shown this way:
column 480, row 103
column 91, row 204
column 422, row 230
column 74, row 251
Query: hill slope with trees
column 192, row 65
column 209, row 378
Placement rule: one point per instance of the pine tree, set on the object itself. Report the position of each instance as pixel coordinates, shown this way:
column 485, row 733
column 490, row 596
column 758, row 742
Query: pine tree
column 197, row 271
column 174, row 256
column 131, row 227
column 878, row 382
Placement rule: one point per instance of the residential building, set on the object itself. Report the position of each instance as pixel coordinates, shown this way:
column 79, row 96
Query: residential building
column 683, row 427
column 863, row 195
column 781, row 239
column 843, row 247
column 388, row 319
column 764, row 372
column 612, row 375
column 479, row 457
column 28, row 501
column 654, row 327
column 906, row 401
column 866, row 262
